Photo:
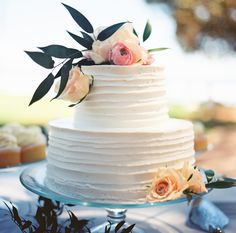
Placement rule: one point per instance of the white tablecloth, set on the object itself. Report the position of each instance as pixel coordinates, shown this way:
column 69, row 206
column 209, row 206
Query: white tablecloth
column 172, row 218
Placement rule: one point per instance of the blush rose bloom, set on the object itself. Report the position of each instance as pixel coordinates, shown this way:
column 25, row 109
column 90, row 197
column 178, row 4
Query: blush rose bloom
column 120, row 54
column 77, row 86
column 196, row 183
column 168, row 184
column 101, row 49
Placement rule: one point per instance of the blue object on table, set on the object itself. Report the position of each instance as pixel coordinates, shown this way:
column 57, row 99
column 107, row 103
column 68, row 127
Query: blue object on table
column 207, row 216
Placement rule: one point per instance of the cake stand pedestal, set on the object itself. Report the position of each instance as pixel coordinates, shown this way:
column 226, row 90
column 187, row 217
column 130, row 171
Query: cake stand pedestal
column 33, row 177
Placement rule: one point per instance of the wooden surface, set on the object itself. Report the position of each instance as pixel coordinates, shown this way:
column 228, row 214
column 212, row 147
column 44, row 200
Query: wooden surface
column 222, row 157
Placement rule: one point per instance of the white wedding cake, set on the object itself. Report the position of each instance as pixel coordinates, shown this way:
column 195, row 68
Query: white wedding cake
column 120, row 136
column 121, row 146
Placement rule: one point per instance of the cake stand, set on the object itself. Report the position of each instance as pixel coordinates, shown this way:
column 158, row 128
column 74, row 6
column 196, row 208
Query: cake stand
column 32, row 179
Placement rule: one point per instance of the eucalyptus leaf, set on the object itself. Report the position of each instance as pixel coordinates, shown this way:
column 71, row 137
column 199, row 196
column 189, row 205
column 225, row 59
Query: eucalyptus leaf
column 209, row 175
column 80, row 19
column 119, row 225
column 16, row 216
column 147, row 31
column 58, row 74
column 85, row 43
column 135, row 33
column 221, row 184
column 60, row 51
column 156, row 50
column 87, row 36
column 43, row 88
column 107, row 32
column 42, row 59
column 64, row 77
column 129, row 229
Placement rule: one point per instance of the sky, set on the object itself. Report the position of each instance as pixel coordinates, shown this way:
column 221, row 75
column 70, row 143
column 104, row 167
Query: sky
column 26, row 25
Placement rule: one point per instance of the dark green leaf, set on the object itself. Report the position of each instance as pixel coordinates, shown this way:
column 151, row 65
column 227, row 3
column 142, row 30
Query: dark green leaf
column 221, row 184
column 87, row 36
column 42, row 59
column 60, row 51
column 209, row 175
column 227, row 179
column 147, row 31
column 156, row 50
column 128, row 229
column 58, row 74
column 107, row 229
column 27, row 224
column 64, row 77
column 135, row 33
column 119, row 225
column 80, row 19
column 190, row 177
column 16, row 216
column 43, row 88
column 106, row 33
column 85, row 43
column 9, row 209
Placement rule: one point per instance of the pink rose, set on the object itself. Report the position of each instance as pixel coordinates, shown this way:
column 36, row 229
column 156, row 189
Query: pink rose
column 77, row 86
column 120, row 54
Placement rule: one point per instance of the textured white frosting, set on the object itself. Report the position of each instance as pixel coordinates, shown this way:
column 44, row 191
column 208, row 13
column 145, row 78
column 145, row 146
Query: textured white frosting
column 114, row 166
column 119, row 136
column 123, row 97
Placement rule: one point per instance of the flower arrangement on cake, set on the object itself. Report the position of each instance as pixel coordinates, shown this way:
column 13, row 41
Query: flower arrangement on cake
column 117, row 44
column 141, row 155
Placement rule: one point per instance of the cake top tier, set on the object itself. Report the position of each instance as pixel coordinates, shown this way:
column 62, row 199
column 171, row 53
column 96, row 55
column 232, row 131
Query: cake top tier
column 123, row 97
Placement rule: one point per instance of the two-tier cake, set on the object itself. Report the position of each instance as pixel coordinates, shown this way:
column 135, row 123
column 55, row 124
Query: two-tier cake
column 121, row 145
column 120, row 135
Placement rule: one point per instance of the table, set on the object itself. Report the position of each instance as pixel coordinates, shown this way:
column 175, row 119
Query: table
column 175, row 215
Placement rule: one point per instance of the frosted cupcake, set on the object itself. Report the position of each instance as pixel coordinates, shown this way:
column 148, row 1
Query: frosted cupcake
column 32, row 143
column 9, row 150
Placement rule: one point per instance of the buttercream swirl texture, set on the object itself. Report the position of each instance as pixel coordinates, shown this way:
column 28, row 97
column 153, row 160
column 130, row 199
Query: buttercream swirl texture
column 119, row 137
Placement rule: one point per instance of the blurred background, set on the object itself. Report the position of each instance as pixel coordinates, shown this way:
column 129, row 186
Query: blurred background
column 200, row 64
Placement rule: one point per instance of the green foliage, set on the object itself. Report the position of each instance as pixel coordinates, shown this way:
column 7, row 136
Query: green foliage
column 47, row 220
column 82, row 41
column 43, row 88
column 156, row 50
column 107, row 32
column 64, row 77
column 147, row 31
column 80, row 19
column 42, row 59
column 60, row 51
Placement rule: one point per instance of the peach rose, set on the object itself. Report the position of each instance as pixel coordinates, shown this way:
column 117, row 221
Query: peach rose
column 168, row 184
column 101, row 49
column 77, row 86
column 194, row 179
column 120, row 54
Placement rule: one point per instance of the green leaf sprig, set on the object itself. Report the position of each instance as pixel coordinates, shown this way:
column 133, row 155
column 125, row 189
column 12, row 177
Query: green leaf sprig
column 45, row 58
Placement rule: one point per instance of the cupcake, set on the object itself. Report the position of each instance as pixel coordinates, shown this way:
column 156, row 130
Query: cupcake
column 33, row 144
column 9, row 150
column 200, row 137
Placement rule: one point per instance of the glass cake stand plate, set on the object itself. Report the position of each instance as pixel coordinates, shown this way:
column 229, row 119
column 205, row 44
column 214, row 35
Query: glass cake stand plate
column 32, row 178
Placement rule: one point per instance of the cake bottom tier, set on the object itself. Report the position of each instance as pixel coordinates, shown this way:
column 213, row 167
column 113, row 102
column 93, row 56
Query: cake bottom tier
column 115, row 166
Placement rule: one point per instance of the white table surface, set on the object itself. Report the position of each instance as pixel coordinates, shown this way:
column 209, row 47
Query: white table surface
column 174, row 215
